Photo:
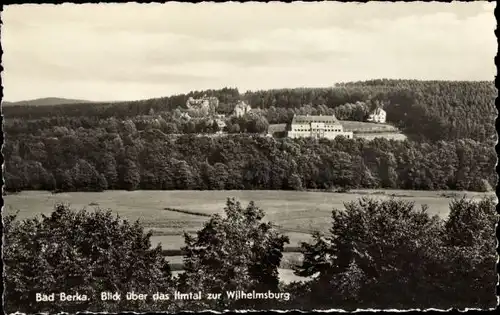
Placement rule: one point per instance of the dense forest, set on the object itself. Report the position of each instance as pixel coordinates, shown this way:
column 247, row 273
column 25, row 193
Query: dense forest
column 150, row 145
column 423, row 110
column 94, row 159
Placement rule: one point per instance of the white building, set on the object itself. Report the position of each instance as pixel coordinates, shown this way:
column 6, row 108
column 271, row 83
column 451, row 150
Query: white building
column 317, row 127
column 241, row 109
column 221, row 124
column 378, row 116
column 206, row 102
column 185, row 116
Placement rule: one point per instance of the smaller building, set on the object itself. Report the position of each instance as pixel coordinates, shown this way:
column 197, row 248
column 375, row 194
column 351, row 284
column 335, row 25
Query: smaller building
column 221, row 124
column 185, row 116
column 241, row 109
column 378, row 116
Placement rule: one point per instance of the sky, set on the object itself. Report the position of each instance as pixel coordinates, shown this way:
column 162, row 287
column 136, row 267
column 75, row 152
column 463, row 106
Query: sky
column 113, row 52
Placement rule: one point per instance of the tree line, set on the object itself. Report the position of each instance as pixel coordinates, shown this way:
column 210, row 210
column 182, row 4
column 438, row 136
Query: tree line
column 96, row 160
column 424, row 110
column 167, row 122
column 378, row 254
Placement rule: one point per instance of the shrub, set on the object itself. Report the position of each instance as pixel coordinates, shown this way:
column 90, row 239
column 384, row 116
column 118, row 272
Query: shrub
column 469, row 252
column 378, row 254
column 387, row 254
column 79, row 252
column 235, row 252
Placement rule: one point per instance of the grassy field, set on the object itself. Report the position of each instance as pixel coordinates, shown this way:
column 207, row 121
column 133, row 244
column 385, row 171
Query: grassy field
column 387, row 135
column 276, row 128
column 296, row 213
column 361, row 126
column 169, row 213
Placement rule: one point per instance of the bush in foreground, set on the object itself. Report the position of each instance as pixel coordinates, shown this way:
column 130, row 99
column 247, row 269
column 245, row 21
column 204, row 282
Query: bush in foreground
column 80, row 252
column 235, row 252
column 378, row 254
column 388, row 254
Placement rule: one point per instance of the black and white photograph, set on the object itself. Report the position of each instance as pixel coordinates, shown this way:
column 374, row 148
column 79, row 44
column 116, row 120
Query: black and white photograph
column 170, row 157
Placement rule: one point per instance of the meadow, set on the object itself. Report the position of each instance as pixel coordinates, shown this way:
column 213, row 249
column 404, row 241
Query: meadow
column 362, row 126
column 296, row 214
column 387, row 135
column 170, row 213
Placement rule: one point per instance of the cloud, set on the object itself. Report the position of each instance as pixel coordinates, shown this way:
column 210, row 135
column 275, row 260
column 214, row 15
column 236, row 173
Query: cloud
column 131, row 51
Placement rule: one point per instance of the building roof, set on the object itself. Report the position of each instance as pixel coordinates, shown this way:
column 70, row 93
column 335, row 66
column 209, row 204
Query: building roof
column 300, row 119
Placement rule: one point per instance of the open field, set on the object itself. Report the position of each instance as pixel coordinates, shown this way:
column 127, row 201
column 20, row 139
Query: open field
column 169, row 213
column 296, row 213
column 361, row 126
column 387, row 135
column 370, row 131
column 276, row 128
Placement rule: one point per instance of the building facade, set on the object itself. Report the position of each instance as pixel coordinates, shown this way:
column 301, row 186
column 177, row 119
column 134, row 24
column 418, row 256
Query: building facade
column 317, row 127
column 378, row 116
column 208, row 103
column 241, row 109
column 185, row 116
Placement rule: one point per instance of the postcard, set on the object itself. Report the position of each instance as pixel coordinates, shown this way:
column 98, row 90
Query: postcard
column 171, row 157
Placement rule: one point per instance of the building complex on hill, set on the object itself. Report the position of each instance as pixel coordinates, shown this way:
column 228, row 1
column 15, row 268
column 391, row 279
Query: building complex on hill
column 208, row 103
column 378, row 116
column 317, row 127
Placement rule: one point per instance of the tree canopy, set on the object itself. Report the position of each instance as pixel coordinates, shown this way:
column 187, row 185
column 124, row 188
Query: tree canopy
column 388, row 254
column 80, row 252
column 235, row 252
column 96, row 160
column 379, row 253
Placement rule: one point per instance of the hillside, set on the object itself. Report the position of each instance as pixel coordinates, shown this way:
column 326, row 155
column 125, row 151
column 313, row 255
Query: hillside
column 47, row 101
column 422, row 110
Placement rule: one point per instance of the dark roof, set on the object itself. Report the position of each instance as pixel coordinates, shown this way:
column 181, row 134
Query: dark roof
column 297, row 119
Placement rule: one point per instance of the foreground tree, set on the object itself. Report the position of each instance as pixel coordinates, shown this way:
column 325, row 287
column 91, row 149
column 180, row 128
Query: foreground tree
column 470, row 252
column 235, row 252
column 80, row 252
column 379, row 254
column 388, row 254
